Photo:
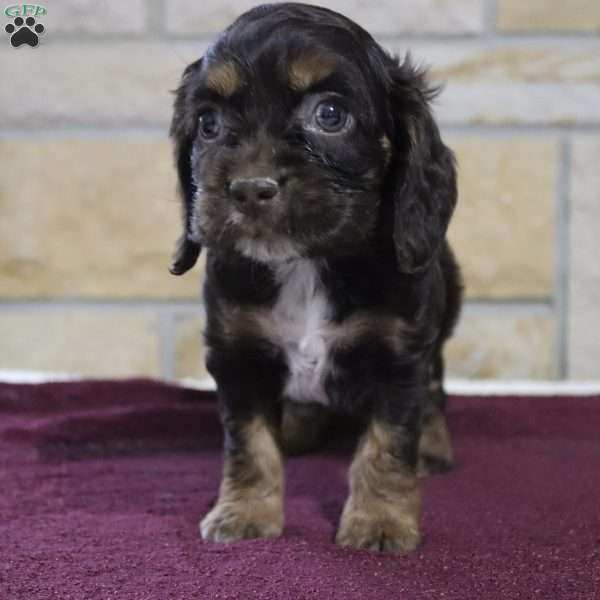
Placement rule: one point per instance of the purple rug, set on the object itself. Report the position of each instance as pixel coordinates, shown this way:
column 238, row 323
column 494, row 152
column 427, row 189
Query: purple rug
column 102, row 485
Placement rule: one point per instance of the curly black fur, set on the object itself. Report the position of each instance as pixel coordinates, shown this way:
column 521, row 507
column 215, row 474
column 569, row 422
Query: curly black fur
column 363, row 211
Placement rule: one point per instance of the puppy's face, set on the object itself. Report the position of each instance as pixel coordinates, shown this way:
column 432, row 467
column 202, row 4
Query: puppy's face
column 285, row 133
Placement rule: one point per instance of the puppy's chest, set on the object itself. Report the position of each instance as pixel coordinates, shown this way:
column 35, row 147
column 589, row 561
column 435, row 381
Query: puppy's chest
column 300, row 324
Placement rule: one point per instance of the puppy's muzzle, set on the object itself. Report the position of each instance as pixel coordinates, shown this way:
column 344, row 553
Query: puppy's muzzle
column 253, row 193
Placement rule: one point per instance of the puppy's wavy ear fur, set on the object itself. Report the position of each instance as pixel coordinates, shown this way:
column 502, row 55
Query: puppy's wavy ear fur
column 423, row 174
column 182, row 132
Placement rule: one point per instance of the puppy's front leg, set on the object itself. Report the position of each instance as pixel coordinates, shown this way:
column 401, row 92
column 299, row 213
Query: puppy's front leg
column 382, row 510
column 250, row 503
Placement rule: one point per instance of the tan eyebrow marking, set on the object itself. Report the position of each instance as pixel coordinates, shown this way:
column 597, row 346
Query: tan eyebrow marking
column 224, row 78
column 309, row 69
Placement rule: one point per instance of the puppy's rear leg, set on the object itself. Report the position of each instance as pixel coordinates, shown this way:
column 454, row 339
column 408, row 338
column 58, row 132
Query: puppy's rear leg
column 303, row 426
column 435, row 447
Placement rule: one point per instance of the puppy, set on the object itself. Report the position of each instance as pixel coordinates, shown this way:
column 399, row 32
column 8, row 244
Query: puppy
column 311, row 169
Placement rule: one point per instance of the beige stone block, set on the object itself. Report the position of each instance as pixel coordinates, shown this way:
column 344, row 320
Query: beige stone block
column 109, row 218
column 92, row 83
column 548, row 15
column 128, row 83
column 502, row 343
column 89, row 218
column 513, row 83
column 91, row 16
column 504, row 225
column 380, row 16
column 189, row 348
column 584, row 266
column 98, row 343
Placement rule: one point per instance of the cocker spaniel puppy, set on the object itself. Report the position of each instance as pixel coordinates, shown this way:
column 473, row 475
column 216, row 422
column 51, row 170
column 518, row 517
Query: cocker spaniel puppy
column 311, row 169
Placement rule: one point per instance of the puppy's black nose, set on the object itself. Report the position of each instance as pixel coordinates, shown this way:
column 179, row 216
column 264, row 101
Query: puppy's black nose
column 253, row 190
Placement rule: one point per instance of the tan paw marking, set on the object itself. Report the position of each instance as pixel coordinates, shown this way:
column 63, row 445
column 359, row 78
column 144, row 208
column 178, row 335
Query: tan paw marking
column 377, row 532
column 250, row 501
column 382, row 511
column 232, row 521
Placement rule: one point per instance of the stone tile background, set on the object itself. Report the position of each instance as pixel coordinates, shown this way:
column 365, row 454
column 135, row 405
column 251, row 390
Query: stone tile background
column 88, row 211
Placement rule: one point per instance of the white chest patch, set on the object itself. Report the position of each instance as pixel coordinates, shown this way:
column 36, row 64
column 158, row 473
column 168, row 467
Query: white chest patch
column 299, row 325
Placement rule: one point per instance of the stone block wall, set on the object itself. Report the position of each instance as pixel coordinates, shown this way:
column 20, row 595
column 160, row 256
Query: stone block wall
column 88, row 212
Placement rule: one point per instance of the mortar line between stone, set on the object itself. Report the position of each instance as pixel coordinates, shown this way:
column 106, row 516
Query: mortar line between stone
column 490, row 12
column 160, row 131
column 519, row 302
column 86, row 132
column 562, row 256
column 155, row 18
column 175, row 306
column 525, row 128
column 166, row 344
column 476, row 39
column 510, row 310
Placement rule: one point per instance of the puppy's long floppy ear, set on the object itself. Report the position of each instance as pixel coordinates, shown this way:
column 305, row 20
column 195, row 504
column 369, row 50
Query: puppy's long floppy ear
column 423, row 175
column 182, row 132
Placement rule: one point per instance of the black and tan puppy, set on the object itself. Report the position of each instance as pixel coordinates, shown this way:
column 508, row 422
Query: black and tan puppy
column 312, row 171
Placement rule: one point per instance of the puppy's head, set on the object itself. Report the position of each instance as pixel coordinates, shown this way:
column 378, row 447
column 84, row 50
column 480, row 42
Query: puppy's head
column 297, row 135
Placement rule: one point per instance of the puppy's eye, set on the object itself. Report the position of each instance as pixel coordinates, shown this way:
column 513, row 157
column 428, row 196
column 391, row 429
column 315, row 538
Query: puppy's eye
column 330, row 117
column 209, row 124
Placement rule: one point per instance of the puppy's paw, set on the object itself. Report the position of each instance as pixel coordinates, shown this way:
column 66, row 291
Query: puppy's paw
column 377, row 532
column 230, row 521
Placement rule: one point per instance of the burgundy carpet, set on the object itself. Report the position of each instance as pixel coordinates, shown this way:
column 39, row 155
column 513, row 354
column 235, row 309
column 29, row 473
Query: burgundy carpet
column 102, row 485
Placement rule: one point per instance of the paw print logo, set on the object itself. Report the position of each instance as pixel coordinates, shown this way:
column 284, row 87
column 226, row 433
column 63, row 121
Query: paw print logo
column 24, row 32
